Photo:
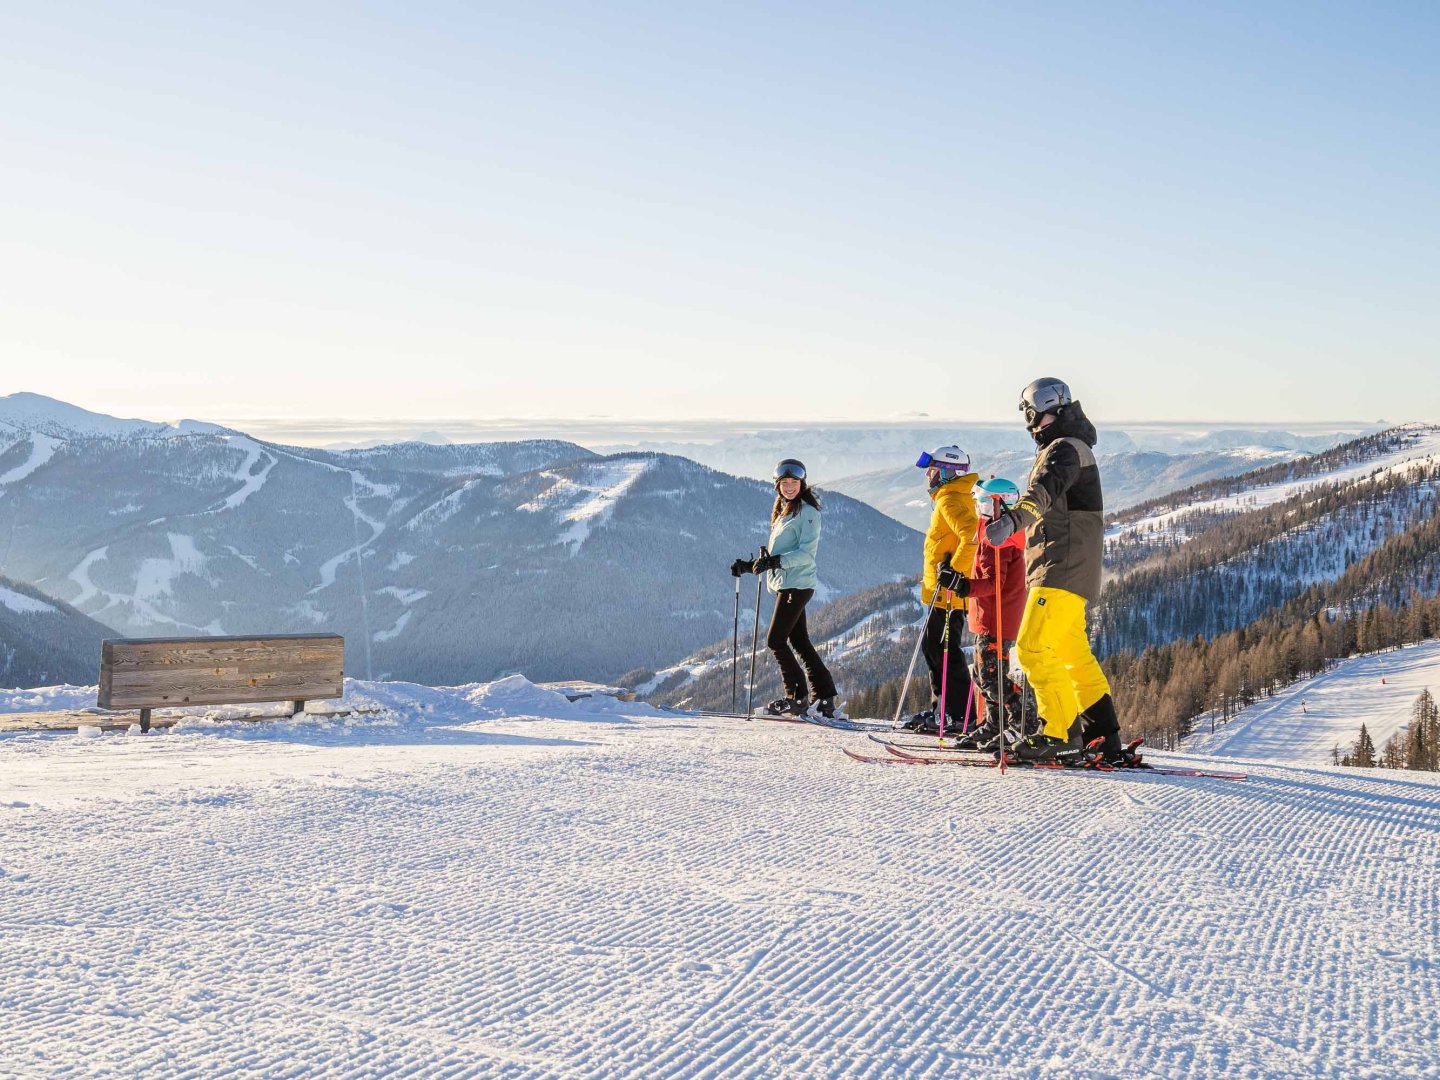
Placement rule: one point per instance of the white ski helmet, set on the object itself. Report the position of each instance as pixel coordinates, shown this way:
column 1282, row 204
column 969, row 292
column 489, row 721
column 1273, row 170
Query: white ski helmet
column 947, row 457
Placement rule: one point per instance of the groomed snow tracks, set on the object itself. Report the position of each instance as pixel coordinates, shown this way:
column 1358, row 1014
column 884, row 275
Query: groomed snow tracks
column 700, row 898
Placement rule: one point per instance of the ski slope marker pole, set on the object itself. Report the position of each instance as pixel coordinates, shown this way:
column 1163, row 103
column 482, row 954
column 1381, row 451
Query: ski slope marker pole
column 914, row 655
column 754, row 643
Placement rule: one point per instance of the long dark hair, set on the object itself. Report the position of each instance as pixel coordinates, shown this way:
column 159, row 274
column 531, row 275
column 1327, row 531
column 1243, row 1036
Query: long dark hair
column 791, row 507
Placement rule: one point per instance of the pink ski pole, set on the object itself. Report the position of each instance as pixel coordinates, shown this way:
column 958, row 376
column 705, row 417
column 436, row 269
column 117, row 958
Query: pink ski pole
column 944, row 664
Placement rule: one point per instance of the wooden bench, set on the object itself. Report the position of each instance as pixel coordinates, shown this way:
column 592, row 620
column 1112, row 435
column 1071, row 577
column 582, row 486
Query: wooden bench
column 157, row 673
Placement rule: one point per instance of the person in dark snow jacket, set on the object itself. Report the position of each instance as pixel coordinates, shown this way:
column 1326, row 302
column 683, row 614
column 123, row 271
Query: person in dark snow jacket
column 1062, row 517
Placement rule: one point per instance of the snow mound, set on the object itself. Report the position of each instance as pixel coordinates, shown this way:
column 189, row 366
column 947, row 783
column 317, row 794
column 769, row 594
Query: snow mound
column 516, row 695
column 387, row 704
column 48, row 699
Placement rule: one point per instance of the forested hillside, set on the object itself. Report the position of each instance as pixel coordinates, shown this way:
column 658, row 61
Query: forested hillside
column 44, row 641
column 1227, row 575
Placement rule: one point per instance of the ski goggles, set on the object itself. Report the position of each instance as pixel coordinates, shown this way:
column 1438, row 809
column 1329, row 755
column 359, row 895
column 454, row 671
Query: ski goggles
column 790, row 471
column 927, row 459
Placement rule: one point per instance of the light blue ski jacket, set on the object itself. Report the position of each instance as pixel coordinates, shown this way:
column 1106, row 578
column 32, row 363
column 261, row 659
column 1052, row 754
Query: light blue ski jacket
column 795, row 539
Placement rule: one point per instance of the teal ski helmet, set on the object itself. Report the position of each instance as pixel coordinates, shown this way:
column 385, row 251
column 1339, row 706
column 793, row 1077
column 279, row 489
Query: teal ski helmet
column 987, row 492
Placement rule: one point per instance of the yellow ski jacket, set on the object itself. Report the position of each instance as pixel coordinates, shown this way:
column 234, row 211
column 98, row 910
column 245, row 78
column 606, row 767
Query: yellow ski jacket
column 951, row 533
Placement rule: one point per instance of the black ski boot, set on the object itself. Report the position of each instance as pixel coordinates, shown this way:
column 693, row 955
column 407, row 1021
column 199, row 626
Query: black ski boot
column 922, row 723
column 1042, row 749
column 829, row 708
column 786, row 706
column 984, row 738
column 1102, row 723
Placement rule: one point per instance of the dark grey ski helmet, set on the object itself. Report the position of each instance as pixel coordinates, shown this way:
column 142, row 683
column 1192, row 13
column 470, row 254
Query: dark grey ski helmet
column 791, row 467
column 1043, row 396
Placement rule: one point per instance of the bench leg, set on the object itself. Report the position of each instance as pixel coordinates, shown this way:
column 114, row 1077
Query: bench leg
column 144, row 720
column 298, row 709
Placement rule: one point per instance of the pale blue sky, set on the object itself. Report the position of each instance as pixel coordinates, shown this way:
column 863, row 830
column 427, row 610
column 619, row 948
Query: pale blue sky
column 747, row 210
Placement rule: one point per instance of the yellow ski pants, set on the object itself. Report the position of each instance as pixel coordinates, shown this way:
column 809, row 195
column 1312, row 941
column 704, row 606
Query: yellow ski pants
column 1055, row 652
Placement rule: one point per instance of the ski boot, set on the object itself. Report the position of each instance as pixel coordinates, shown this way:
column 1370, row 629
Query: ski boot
column 983, row 738
column 1042, row 749
column 1129, row 756
column 922, row 723
column 1102, row 728
column 828, row 708
column 786, row 706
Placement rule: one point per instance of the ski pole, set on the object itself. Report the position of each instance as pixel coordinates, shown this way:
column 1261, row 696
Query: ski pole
column 1000, row 650
column 914, row 655
column 754, row 642
column 735, row 652
column 969, row 701
column 944, row 666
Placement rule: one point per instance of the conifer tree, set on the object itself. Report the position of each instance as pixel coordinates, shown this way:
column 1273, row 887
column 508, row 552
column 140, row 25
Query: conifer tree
column 1363, row 755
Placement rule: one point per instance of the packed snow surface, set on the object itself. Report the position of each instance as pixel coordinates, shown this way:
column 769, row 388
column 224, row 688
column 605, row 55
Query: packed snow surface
column 491, row 881
column 1308, row 719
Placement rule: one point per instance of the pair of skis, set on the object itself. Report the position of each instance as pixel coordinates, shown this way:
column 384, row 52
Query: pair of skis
column 902, row 755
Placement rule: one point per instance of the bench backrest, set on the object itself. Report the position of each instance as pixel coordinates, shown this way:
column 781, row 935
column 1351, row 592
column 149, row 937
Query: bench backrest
column 153, row 673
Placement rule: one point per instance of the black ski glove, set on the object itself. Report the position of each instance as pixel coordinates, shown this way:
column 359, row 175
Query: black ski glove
column 766, row 562
column 740, row 567
column 951, row 579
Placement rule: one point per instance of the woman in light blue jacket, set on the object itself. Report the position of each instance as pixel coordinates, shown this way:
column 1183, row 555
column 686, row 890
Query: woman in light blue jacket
column 791, row 575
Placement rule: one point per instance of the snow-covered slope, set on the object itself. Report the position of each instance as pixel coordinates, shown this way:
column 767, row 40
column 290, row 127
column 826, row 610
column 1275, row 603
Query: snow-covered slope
column 1305, row 721
column 525, row 889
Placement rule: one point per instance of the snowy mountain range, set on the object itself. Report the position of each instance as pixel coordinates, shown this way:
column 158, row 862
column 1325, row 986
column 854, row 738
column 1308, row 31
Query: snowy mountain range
column 439, row 563
column 833, row 450
column 1130, row 476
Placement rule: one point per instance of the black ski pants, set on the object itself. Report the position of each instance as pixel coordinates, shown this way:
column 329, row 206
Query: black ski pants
column 957, row 682
column 789, row 636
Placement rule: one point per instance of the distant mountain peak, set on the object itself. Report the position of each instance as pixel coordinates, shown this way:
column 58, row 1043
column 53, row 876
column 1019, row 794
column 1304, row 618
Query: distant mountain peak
column 31, row 413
